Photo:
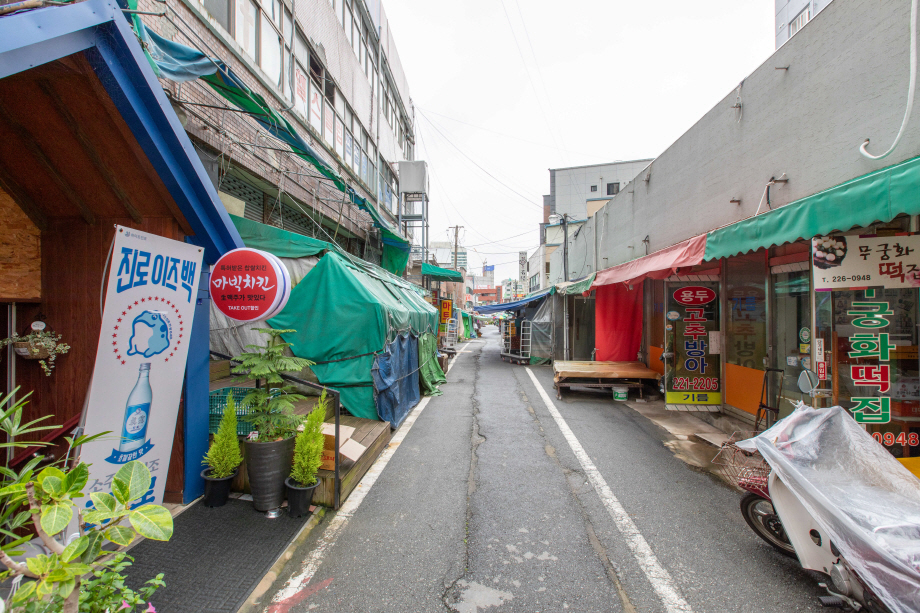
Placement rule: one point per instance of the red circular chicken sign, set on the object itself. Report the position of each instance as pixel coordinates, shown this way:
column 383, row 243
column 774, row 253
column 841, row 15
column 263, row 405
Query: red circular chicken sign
column 694, row 295
column 248, row 284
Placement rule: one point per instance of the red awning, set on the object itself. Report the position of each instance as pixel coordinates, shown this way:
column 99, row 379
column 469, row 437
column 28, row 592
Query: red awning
column 659, row 265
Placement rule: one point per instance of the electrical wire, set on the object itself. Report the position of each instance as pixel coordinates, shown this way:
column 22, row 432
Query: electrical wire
column 911, row 87
column 499, row 240
column 475, row 163
column 545, row 95
column 511, row 136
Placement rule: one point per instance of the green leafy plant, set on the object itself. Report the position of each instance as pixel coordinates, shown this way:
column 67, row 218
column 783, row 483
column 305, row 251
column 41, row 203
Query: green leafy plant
column 39, row 342
column 106, row 591
column 223, row 456
column 47, row 500
column 272, row 406
column 308, row 448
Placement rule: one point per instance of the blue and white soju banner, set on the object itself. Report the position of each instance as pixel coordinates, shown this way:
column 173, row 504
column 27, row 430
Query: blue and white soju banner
column 151, row 291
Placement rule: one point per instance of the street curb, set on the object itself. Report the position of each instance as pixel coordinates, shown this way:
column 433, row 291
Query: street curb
column 253, row 604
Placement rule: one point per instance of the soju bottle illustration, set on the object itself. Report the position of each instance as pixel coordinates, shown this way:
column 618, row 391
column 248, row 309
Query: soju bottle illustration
column 137, row 412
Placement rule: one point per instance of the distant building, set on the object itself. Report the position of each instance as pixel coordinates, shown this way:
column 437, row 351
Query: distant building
column 580, row 191
column 489, row 295
column 792, row 15
column 444, row 253
column 512, row 289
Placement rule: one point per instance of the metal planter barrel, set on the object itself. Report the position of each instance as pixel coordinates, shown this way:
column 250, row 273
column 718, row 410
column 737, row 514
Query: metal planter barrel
column 268, row 465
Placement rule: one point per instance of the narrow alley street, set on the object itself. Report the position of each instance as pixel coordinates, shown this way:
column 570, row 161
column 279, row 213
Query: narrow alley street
column 486, row 505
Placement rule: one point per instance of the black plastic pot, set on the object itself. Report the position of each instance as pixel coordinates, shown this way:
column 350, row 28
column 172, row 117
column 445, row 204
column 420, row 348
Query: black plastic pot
column 268, row 465
column 299, row 498
column 216, row 491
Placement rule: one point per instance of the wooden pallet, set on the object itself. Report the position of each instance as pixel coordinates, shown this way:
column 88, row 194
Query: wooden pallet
column 602, row 375
column 375, row 435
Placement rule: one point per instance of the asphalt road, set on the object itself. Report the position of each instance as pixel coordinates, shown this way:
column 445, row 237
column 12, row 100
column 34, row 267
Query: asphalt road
column 485, row 507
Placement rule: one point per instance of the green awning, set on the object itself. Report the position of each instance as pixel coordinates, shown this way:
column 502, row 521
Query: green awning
column 577, row 287
column 279, row 242
column 878, row 196
column 441, row 274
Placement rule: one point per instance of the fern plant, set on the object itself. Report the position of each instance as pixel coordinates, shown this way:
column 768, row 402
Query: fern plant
column 272, row 406
column 224, row 454
column 308, row 449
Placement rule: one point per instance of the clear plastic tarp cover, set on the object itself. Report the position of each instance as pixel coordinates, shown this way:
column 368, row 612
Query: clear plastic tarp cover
column 865, row 499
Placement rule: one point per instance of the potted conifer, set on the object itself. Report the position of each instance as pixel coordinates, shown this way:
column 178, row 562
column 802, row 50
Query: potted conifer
column 223, row 458
column 308, row 456
column 270, row 446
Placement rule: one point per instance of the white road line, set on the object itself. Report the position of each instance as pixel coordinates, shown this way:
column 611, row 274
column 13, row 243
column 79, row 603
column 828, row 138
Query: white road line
column 311, row 565
column 657, row 575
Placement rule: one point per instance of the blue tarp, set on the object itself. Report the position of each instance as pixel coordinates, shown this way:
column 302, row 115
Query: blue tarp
column 396, row 379
column 175, row 61
column 513, row 306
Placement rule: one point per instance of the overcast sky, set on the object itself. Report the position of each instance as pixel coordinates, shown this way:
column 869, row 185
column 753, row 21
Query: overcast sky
column 511, row 88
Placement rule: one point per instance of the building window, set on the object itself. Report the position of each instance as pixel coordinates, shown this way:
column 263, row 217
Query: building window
column 247, row 16
column 220, row 11
column 270, row 56
column 613, row 189
column 594, row 188
column 799, row 22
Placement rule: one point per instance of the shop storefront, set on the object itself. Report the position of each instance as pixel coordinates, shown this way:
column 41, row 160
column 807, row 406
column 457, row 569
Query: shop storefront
column 829, row 284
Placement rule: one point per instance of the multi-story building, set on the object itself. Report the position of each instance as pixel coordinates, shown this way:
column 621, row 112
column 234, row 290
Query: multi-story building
column 792, row 15
column 580, row 191
column 444, row 253
column 330, row 69
column 512, row 289
column 488, row 295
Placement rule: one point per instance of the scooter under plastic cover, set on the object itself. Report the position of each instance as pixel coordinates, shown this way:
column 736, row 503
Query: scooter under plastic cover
column 867, row 502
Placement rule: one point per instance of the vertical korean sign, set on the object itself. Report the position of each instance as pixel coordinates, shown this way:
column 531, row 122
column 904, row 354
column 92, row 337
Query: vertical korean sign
column 151, row 292
column 693, row 312
column 877, row 269
column 873, row 348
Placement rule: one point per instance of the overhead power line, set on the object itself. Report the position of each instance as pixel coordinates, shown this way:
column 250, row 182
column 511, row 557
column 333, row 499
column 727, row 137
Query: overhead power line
column 499, row 240
column 431, row 122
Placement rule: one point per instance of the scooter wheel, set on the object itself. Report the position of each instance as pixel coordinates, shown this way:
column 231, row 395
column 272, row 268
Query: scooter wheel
column 759, row 514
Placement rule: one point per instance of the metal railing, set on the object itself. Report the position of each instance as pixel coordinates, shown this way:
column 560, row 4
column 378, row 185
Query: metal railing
column 337, row 406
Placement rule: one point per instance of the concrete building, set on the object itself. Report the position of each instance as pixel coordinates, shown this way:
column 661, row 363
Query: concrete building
column 333, row 71
column 792, row 15
column 488, row 295
column 444, row 253
column 580, row 191
column 731, row 209
column 512, row 289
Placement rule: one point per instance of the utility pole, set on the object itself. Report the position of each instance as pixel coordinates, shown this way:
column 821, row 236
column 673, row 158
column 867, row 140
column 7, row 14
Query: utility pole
column 456, row 244
column 565, row 246
column 565, row 272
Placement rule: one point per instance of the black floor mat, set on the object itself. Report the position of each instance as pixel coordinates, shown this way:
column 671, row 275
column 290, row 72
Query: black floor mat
column 214, row 559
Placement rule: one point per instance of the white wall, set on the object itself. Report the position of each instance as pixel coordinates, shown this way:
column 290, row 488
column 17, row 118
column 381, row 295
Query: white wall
column 847, row 81
column 573, row 185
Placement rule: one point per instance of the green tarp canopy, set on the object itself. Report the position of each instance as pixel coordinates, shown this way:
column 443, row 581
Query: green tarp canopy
column 468, row 324
column 344, row 313
column 279, row 242
column 441, row 274
column 430, row 373
column 396, row 248
column 878, row 196
column 576, row 287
